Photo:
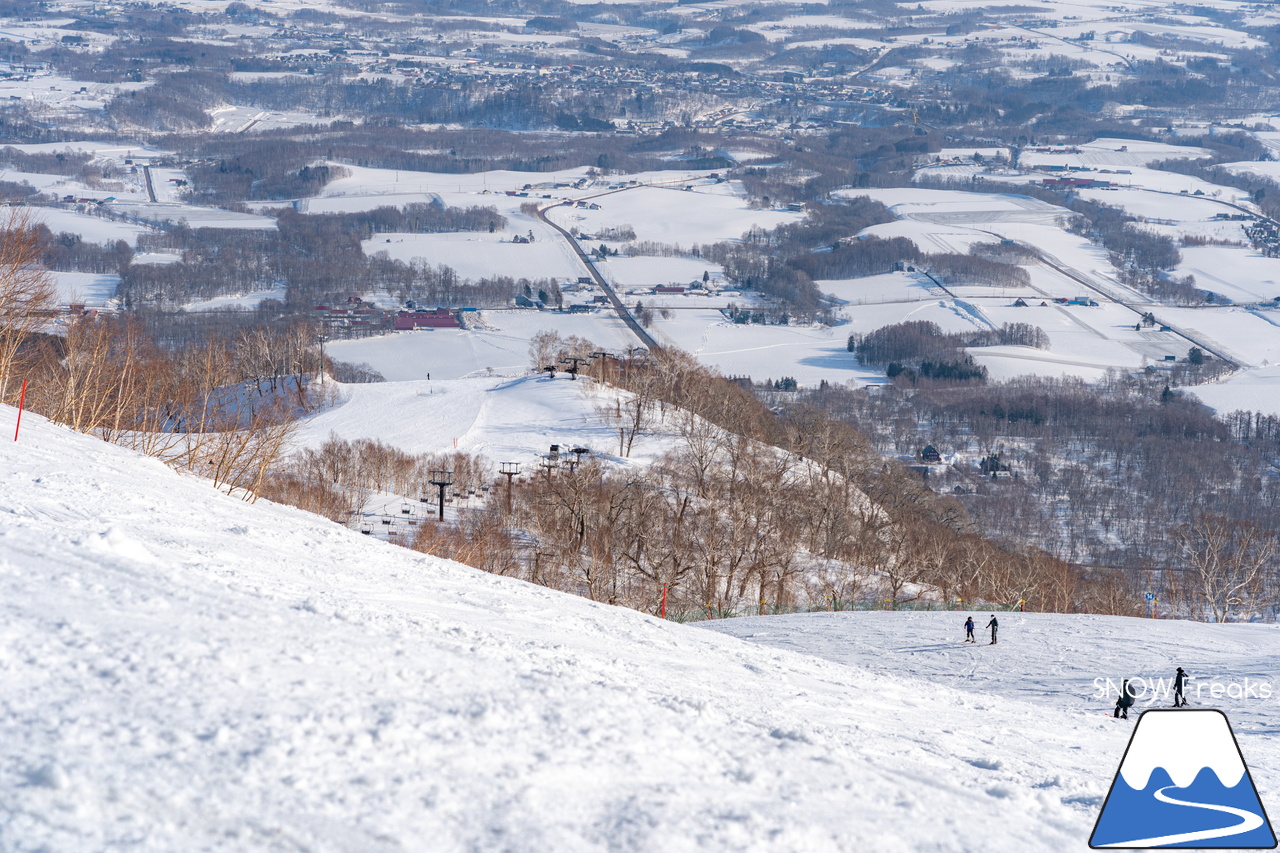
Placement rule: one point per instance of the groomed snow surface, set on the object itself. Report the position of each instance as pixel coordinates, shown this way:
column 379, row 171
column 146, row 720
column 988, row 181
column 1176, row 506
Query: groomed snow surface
column 181, row 670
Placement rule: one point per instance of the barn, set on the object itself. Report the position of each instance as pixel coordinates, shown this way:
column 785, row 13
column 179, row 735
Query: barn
column 440, row 318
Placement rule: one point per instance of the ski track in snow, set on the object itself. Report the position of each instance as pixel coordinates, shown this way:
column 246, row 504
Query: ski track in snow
column 181, row 670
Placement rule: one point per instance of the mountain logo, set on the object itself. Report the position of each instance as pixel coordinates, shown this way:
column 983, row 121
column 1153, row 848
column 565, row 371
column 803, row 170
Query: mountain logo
column 1183, row 783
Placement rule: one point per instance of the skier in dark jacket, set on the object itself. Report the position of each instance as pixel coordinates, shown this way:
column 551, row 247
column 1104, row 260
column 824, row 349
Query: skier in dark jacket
column 994, row 626
column 968, row 630
column 1125, row 701
column 1179, row 689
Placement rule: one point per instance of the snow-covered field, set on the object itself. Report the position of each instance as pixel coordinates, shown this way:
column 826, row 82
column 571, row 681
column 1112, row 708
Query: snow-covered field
column 196, row 217
column 1255, row 390
column 1238, row 273
column 808, row 354
column 95, row 229
column 704, row 214
column 86, row 288
column 247, row 301
column 689, row 207
column 504, row 347
column 503, row 419
column 238, row 119
column 644, row 271
column 1084, row 340
column 180, row 669
column 478, row 254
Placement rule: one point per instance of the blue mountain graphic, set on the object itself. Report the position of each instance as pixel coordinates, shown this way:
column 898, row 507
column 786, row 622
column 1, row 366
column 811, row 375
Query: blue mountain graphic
column 1131, row 814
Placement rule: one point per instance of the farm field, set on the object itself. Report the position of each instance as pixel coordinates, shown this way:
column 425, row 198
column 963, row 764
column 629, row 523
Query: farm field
column 89, row 289
column 1083, row 340
column 701, row 214
column 455, row 353
column 478, row 255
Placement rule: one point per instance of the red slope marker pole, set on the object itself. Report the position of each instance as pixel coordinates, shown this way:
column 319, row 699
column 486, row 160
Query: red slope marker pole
column 664, row 601
column 22, row 398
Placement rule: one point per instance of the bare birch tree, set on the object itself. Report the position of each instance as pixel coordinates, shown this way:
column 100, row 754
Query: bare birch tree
column 28, row 297
column 1228, row 565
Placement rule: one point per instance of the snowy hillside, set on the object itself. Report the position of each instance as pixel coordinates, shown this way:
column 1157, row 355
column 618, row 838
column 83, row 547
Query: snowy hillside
column 180, row 670
column 503, row 419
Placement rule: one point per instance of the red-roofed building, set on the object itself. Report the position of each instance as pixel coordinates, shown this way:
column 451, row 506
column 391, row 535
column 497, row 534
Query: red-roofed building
column 440, row 318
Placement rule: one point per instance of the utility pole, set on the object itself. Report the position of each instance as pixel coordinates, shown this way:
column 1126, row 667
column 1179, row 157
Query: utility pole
column 442, row 480
column 510, row 470
column 320, row 337
column 599, row 356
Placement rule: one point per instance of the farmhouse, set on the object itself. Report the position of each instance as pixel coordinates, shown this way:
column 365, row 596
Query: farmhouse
column 440, row 318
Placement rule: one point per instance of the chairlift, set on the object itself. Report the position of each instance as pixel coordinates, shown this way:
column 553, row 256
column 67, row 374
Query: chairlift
column 406, row 509
column 386, row 520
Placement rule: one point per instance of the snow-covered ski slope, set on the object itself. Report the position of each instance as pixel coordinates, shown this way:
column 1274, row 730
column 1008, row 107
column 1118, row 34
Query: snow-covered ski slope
column 180, row 670
column 501, row 419
column 1048, row 659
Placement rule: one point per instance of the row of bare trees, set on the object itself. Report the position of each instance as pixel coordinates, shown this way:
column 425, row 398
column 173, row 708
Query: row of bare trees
column 339, row 478
column 223, row 409
column 723, row 525
column 743, row 512
column 1126, row 473
column 194, row 408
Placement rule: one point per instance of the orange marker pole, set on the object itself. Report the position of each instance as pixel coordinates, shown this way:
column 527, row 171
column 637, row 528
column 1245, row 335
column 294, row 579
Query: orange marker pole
column 22, row 398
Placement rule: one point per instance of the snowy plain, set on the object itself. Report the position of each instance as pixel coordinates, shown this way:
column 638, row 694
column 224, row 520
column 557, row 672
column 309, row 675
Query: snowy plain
column 502, row 347
column 1082, row 342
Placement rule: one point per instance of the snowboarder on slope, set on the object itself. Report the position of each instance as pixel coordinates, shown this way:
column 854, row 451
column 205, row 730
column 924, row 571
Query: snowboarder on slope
column 994, row 626
column 1179, row 689
column 968, row 630
column 1125, row 701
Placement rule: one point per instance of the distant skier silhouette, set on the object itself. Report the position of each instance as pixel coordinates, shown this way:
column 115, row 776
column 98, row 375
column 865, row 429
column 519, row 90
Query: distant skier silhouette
column 994, row 626
column 1125, row 701
column 968, row 630
column 1179, row 689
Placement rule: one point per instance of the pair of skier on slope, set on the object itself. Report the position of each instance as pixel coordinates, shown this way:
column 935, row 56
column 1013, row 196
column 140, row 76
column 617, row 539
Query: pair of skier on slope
column 1127, row 697
column 969, row 626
